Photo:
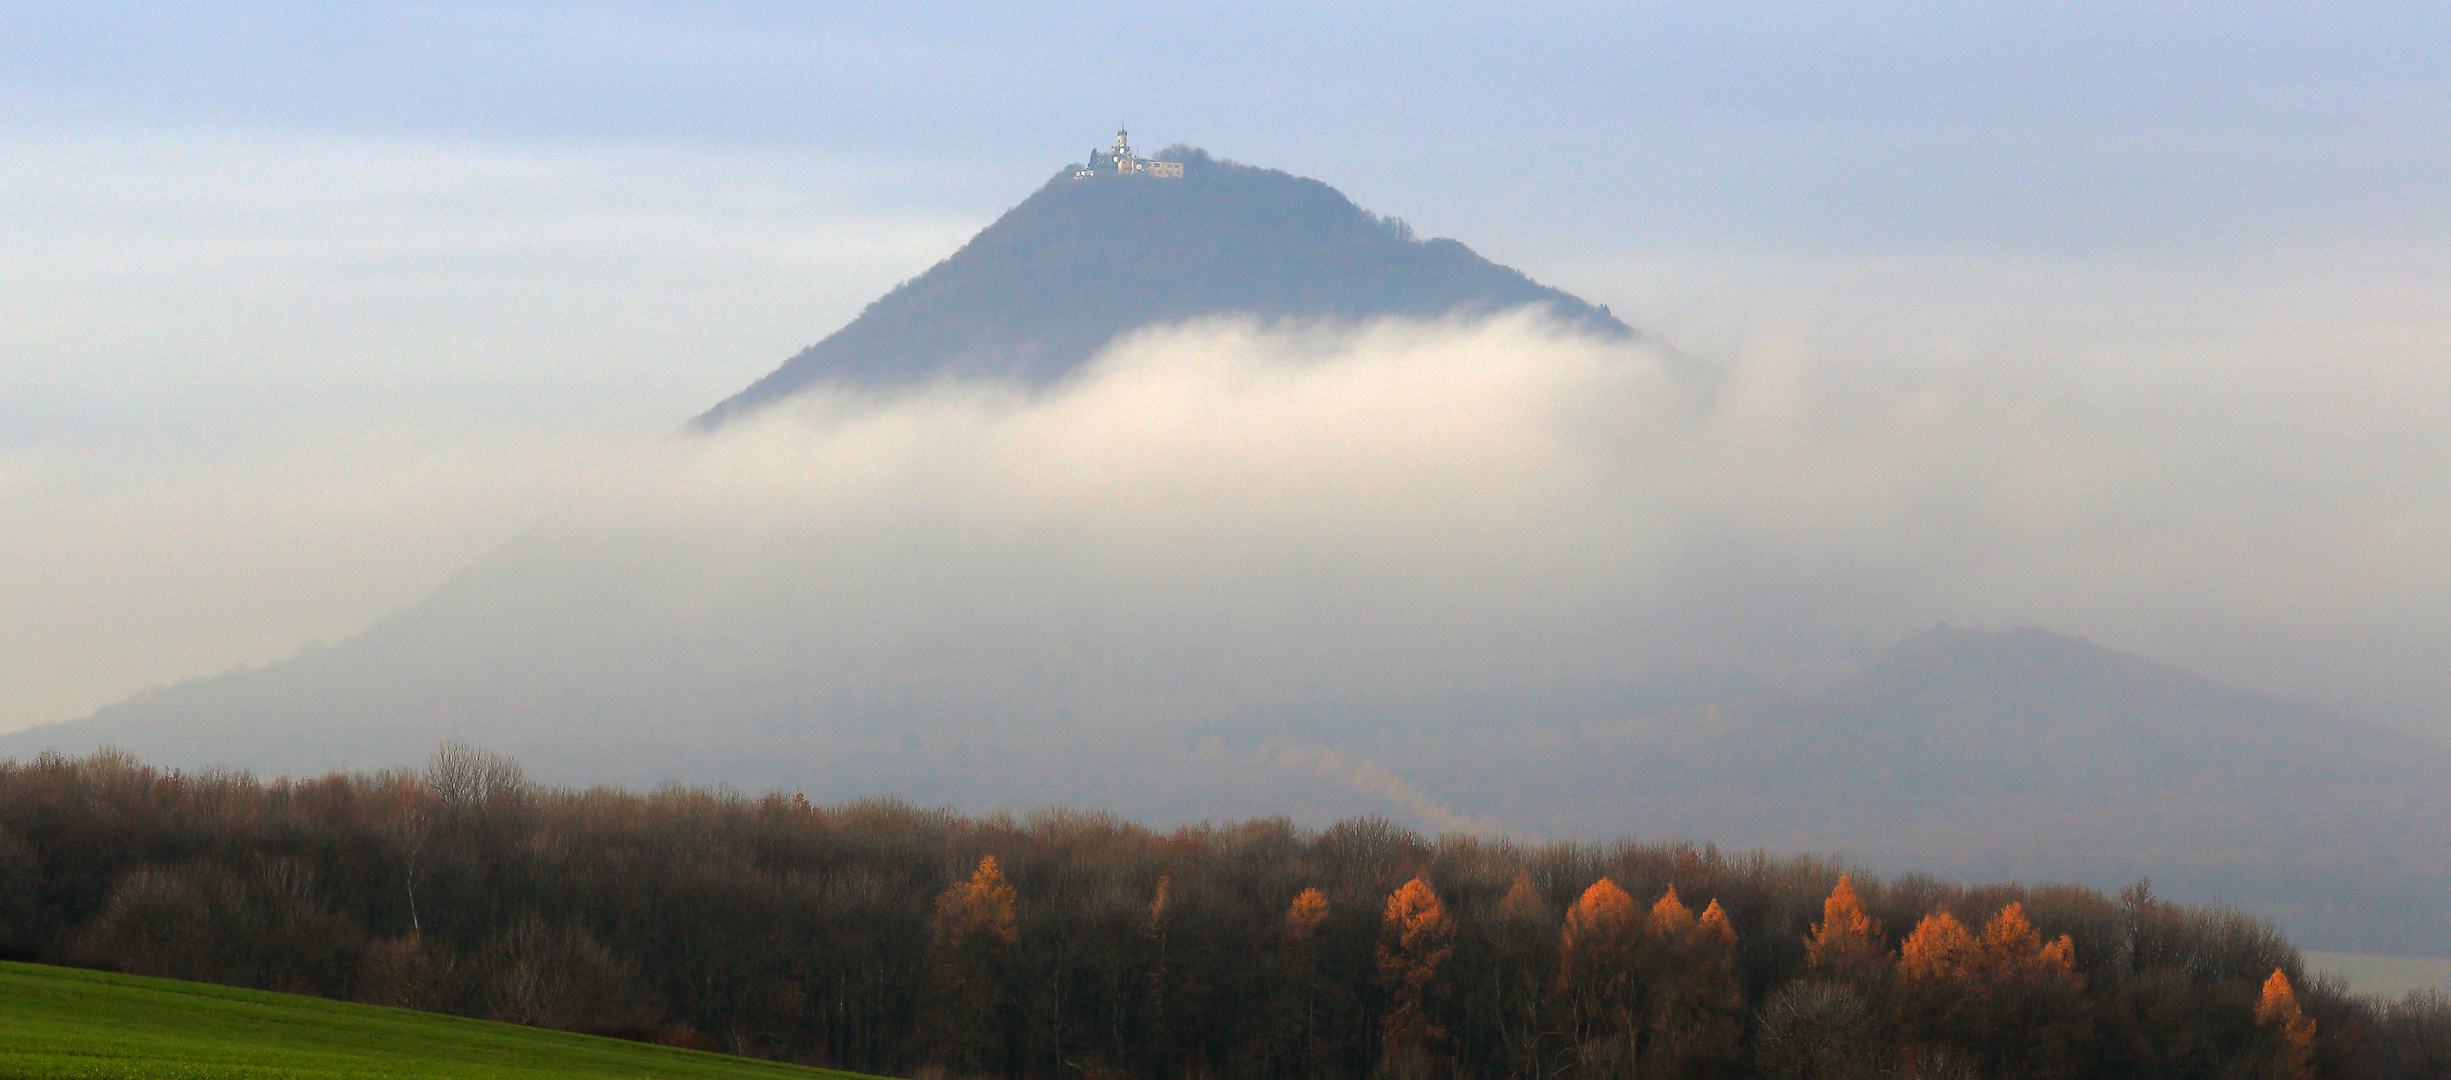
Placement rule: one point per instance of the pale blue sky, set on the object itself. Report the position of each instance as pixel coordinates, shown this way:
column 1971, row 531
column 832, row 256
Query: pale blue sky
column 2060, row 126
column 304, row 305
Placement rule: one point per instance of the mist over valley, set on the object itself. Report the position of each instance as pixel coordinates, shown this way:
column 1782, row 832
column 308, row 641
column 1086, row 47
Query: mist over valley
column 1219, row 497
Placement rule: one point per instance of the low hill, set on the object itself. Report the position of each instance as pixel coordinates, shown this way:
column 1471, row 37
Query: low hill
column 66, row 1022
column 2036, row 756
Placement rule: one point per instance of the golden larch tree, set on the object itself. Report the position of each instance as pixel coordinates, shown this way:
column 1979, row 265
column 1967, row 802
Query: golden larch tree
column 2012, row 948
column 1690, row 1026
column 972, row 929
column 2278, row 1012
column 1714, row 928
column 1847, row 939
column 977, row 910
column 1160, row 903
column 1670, row 918
column 1303, row 916
column 1595, row 957
column 1940, row 950
column 1294, row 1037
column 2003, row 1000
column 2009, row 940
column 1415, row 936
column 2060, row 956
column 1599, row 978
column 1710, row 951
column 1599, row 929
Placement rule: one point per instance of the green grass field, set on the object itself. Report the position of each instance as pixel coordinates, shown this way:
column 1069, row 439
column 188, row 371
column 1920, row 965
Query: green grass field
column 63, row 1022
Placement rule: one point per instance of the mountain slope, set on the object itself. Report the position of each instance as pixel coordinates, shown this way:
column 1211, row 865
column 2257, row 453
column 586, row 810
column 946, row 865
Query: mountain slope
column 1082, row 261
column 604, row 654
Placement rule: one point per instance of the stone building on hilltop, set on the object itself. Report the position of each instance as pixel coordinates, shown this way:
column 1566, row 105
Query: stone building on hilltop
column 1120, row 161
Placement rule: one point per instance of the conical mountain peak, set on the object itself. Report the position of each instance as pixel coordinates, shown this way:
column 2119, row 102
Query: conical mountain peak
column 1124, row 242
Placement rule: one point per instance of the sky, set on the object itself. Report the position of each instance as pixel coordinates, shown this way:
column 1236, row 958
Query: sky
column 304, row 307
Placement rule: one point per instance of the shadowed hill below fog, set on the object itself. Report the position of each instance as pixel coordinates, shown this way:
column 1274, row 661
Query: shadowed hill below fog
column 1082, row 261
column 2037, row 756
column 2020, row 754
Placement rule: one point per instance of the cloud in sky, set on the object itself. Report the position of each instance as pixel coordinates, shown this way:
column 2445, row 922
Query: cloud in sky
column 2084, row 127
column 255, row 390
column 189, row 285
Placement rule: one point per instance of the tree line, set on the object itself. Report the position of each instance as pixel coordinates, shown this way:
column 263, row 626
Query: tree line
column 885, row 938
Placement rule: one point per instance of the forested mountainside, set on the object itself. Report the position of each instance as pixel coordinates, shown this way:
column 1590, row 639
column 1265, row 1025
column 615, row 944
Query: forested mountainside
column 1036, row 293
column 888, row 939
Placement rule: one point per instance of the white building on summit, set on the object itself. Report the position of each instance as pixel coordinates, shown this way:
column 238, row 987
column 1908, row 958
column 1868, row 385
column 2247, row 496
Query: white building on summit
column 1120, row 162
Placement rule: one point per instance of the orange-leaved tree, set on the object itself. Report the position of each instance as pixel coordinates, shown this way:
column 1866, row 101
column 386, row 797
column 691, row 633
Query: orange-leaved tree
column 1303, row 916
column 1415, row 936
column 2005, row 1000
column 1670, row 918
column 1940, row 950
column 2278, row 1013
column 1690, row 974
column 979, row 910
column 1294, row 1042
column 1599, row 979
column 1595, row 961
column 1847, row 940
column 2012, row 948
column 972, row 930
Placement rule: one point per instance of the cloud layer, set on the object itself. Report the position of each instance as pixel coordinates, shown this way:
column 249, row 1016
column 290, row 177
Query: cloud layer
column 1221, row 520
column 1400, row 523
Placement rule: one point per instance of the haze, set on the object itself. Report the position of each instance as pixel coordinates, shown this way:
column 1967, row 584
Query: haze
column 2130, row 323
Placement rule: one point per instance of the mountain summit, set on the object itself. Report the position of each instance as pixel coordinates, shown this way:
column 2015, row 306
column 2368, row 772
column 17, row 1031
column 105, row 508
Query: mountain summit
column 1102, row 250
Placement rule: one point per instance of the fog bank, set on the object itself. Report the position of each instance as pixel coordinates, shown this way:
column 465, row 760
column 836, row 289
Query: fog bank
column 1455, row 520
column 1433, row 523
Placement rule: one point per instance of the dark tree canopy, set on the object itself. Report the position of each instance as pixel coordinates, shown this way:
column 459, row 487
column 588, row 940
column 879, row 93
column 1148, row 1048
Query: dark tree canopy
column 894, row 940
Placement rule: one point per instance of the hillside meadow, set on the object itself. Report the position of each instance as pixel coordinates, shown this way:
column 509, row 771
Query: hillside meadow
column 71, row 1024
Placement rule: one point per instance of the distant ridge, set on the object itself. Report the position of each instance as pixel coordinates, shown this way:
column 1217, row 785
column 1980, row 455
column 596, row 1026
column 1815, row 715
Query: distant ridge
column 1081, row 261
column 2035, row 755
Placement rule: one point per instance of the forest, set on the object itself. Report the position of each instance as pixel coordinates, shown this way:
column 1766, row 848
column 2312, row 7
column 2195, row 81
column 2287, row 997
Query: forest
column 892, row 939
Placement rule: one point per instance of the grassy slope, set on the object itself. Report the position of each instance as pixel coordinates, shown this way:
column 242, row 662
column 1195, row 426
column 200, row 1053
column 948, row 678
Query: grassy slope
column 62, row 1022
